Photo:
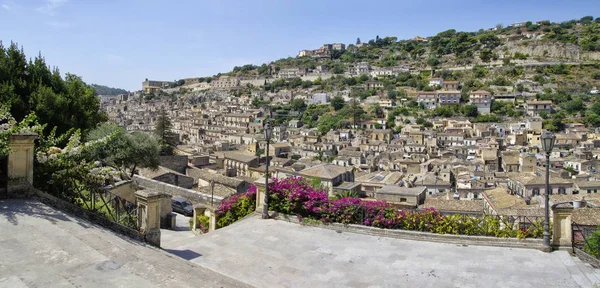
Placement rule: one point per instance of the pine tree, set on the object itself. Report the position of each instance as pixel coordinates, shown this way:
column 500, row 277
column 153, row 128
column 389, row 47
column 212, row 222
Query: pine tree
column 162, row 128
column 358, row 41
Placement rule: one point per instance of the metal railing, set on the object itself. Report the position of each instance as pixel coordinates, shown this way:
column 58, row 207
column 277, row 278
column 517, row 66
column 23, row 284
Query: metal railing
column 96, row 199
column 474, row 224
column 582, row 239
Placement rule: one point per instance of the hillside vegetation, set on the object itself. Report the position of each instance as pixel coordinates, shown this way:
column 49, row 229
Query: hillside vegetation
column 575, row 40
column 108, row 91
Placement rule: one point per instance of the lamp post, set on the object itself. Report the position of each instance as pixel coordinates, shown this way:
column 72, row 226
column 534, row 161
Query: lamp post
column 548, row 140
column 268, row 133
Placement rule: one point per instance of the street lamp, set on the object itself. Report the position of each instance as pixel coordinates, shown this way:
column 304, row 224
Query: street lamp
column 548, row 140
column 268, row 133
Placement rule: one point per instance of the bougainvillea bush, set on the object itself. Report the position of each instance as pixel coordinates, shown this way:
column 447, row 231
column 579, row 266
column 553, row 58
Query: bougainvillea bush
column 296, row 196
column 236, row 207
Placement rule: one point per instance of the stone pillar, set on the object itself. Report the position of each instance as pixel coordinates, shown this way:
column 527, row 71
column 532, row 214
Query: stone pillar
column 562, row 230
column 260, row 197
column 212, row 222
column 20, row 158
column 166, row 210
column 148, row 202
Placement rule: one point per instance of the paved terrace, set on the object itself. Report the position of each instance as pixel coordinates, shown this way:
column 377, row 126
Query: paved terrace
column 271, row 253
column 43, row 247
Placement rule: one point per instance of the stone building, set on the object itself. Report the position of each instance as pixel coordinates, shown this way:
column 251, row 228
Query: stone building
column 225, row 82
column 237, row 164
column 152, row 86
column 482, row 99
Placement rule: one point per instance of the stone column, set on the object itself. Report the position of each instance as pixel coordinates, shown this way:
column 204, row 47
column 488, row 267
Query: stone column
column 20, row 158
column 212, row 222
column 20, row 165
column 260, row 197
column 148, row 202
column 562, row 230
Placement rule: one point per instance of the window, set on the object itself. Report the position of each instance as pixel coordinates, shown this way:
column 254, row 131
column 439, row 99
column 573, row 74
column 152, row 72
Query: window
column 536, row 192
column 402, row 199
column 562, row 191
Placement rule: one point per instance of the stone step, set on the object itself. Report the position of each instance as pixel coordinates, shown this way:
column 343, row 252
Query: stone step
column 575, row 271
column 591, row 273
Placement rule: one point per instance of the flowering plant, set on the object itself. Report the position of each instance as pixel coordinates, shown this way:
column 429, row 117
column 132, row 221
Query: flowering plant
column 9, row 126
column 236, row 207
column 61, row 170
column 295, row 195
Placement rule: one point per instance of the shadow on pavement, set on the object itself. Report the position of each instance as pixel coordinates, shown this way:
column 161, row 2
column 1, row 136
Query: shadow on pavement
column 185, row 254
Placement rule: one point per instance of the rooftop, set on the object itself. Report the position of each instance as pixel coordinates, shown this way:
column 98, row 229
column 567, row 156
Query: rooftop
column 326, row 171
column 453, row 205
column 400, row 190
column 501, row 199
column 236, row 156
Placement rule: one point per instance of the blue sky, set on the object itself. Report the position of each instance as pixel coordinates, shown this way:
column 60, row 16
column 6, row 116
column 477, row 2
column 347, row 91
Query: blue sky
column 118, row 43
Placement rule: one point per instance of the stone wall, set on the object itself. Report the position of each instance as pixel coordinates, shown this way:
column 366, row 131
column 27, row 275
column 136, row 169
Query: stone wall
column 192, row 195
column 177, row 180
column 543, row 49
column 124, row 189
column 175, row 162
column 585, row 257
column 426, row 236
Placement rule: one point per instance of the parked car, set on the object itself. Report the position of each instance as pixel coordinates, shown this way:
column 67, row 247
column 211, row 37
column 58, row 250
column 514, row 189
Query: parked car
column 182, row 206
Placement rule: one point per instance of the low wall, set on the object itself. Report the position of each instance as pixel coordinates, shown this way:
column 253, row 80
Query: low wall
column 175, row 162
column 587, row 258
column 425, row 236
column 191, row 195
column 124, row 189
column 80, row 212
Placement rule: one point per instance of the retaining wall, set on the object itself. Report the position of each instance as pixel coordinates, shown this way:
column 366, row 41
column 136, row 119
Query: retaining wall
column 425, row 236
column 585, row 257
column 191, row 195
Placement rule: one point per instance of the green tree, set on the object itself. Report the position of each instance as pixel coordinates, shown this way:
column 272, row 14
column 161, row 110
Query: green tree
column 433, row 62
column 338, row 69
column 30, row 86
column 586, row 20
column 376, row 111
column 162, row 128
column 485, row 55
column 124, row 150
column 392, row 94
column 337, row 103
column 469, row 110
column 298, row 105
column 574, row 106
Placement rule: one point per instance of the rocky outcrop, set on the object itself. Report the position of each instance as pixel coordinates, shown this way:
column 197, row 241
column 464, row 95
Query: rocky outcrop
column 544, row 49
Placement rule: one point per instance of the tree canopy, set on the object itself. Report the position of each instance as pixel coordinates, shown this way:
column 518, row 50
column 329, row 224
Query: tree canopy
column 124, row 150
column 30, row 86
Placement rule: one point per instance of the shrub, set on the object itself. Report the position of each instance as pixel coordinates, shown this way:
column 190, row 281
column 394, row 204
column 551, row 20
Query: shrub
column 236, row 207
column 203, row 220
column 296, row 196
column 592, row 243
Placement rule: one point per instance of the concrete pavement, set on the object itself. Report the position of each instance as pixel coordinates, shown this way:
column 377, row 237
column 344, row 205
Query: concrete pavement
column 43, row 247
column 271, row 253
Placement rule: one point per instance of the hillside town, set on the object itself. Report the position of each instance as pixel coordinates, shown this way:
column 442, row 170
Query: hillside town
column 458, row 159
column 447, row 163
column 419, row 134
